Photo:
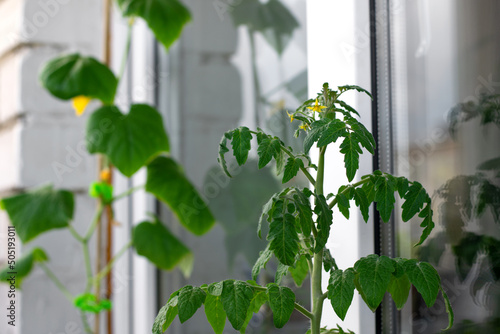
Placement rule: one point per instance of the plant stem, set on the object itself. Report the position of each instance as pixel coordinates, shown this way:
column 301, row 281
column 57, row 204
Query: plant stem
column 75, row 234
column 303, row 169
column 100, row 275
column 85, row 323
column 126, row 53
column 316, row 292
column 57, row 282
column 127, row 192
column 255, row 74
column 302, row 310
column 88, row 267
column 354, row 185
column 94, row 223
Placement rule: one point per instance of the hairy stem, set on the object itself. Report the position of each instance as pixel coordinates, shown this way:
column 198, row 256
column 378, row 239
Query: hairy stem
column 302, row 310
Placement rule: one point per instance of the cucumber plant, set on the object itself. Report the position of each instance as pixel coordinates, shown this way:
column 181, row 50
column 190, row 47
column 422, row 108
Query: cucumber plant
column 300, row 221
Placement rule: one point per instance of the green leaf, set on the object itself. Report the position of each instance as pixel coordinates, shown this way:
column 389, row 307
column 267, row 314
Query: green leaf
column 223, row 150
column 414, row 201
column 425, row 279
column 236, row 297
column 331, row 132
column 299, row 273
column 317, row 129
column 166, row 314
column 259, row 299
column 305, row 214
column 351, row 150
column 347, row 107
column 39, row 210
column 190, row 300
column 215, row 289
column 399, row 288
column 281, row 272
column 325, row 217
column 168, row 183
column 427, row 223
column 261, row 262
column 22, row 267
column 166, row 18
column 282, row 303
column 155, row 242
column 73, row 75
column 215, row 313
column 341, row 290
column 374, row 277
column 101, row 190
column 449, row 310
column 354, row 87
column 292, row 167
column 87, row 302
column 268, row 148
column 343, row 204
column 284, row 240
column 328, row 261
column 384, row 196
column 361, row 200
column 123, row 139
column 402, row 184
column 241, row 144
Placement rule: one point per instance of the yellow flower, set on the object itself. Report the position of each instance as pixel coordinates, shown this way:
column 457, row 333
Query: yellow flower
column 316, row 107
column 304, row 126
column 80, row 103
column 290, row 115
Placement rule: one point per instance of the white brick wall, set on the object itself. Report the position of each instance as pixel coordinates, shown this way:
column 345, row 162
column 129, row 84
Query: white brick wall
column 38, row 132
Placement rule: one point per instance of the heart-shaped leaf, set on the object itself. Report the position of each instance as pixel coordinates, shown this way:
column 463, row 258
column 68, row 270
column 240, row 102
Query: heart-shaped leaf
column 154, row 241
column 73, row 75
column 39, row 210
column 15, row 273
column 167, row 182
column 131, row 140
column 166, row 18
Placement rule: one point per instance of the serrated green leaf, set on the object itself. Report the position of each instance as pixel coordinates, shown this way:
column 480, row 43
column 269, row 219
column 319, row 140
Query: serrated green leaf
column 73, row 75
column 261, row 262
column 236, row 298
column 347, row 107
column 282, row 303
column 402, row 184
column 292, row 167
column 283, row 237
column 155, row 242
column 425, row 279
column 215, row 289
column 168, row 183
column 341, row 290
column 190, row 300
column 259, row 299
column 324, row 220
column 123, row 139
column 343, row 204
column 375, row 273
column 268, row 148
column 215, row 313
column 280, row 162
column 22, row 267
column 369, row 189
column 39, row 210
column 305, row 214
column 415, row 198
column 449, row 310
column 328, row 261
column 361, row 200
column 166, row 314
column 223, row 150
column 362, row 135
column 351, row 150
column 384, row 196
column 299, row 273
column 317, row 128
column 331, row 132
column 241, row 143
column 427, row 223
column 165, row 18
column 281, row 272
column 399, row 288
column 351, row 87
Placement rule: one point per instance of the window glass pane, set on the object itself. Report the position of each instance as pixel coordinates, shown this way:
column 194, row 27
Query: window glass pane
column 445, row 72
column 239, row 62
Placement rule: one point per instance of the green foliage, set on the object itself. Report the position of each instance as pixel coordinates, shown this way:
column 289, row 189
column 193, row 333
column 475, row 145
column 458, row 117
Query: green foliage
column 166, row 18
column 155, row 242
column 88, row 302
column 101, row 190
column 167, row 182
column 74, row 75
column 122, row 137
column 300, row 221
column 39, row 210
column 190, row 300
column 22, row 267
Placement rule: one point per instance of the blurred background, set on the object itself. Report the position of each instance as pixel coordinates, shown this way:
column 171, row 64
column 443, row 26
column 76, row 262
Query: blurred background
column 434, row 70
